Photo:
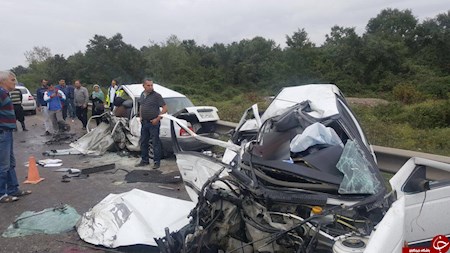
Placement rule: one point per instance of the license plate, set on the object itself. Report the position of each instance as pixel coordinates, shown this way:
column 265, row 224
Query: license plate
column 206, row 115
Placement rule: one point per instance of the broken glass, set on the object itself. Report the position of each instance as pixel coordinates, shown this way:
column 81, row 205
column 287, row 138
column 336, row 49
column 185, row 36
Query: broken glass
column 358, row 178
column 48, row 221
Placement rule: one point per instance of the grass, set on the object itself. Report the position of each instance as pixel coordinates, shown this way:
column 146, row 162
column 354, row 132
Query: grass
column 383, row 130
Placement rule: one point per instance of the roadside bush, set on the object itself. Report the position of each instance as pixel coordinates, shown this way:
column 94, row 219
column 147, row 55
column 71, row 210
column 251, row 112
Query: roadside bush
column 438, row 89
column 232, row 109
column 388, row 112
column 429, row 114
column 395, row 126
column 407, row 94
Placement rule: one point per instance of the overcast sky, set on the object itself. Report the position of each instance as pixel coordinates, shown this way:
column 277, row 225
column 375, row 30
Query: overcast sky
column 66, row 26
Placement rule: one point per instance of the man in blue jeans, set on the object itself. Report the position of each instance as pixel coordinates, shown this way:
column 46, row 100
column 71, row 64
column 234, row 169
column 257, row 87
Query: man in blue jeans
column 150, row 114
column 65, row 103
column 9, row 186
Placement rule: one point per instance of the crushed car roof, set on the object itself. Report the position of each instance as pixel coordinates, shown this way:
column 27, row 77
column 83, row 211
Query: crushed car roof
column 321, row 96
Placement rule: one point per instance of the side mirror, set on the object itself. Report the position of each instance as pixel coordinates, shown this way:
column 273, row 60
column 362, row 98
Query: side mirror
column 417, row 181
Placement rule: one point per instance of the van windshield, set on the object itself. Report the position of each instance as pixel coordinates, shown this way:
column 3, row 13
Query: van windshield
column 176, row 104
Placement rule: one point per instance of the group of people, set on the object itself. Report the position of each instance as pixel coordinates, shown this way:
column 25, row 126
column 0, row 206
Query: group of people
column 71, row 101
column 63, row 98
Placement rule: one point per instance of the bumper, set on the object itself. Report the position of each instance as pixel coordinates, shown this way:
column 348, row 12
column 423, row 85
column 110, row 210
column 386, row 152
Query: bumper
column 29, row 106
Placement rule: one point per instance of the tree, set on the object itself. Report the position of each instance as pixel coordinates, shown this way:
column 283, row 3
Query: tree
column 393, row 24
column 111, row 58
column 299, row 40
column 20, row 70
column 38, row 54
column 432, row 42
column 300, row 59
column 168, row 62
column 57, row 68
column 341, row 57
column 387, row 44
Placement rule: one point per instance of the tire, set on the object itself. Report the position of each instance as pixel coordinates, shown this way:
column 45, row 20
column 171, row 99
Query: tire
column 33, row 112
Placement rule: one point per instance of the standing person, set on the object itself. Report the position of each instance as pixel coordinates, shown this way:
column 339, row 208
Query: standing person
column 98, row 100
column 65, row 89
column 70, row 102
column 55, row 99
column 81, row 99
column 9, row 185
column 42, row 105
column 16, row 98
column 111, row 94
column 150, row 114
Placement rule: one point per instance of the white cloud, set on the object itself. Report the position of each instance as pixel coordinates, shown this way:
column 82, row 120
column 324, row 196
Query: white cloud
column 67, row 26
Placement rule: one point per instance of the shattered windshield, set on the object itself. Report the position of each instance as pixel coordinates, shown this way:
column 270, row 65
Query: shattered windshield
column 176, row 104
column 358, row 178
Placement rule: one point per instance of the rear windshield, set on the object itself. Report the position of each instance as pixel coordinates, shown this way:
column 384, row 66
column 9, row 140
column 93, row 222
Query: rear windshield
column 22, row 90
column 176, row 104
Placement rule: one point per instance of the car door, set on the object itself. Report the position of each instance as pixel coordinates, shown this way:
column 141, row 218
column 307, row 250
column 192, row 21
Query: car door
column 425, row 185
column 421, row 210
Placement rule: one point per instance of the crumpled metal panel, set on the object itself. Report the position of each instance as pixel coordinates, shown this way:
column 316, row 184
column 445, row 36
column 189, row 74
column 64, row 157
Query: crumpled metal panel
column 96, row 142
column 132, row 218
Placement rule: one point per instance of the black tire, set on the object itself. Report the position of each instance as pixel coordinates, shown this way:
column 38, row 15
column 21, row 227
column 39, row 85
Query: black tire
column 33, row 112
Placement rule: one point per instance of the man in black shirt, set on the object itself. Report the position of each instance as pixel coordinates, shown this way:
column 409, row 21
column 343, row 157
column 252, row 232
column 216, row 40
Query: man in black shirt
column 150, row 115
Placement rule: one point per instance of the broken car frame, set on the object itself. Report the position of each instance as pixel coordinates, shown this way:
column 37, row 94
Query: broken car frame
column 278, row 195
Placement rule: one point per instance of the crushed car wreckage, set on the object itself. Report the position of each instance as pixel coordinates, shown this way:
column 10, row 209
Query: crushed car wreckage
column 121, row 129
column 302, row 178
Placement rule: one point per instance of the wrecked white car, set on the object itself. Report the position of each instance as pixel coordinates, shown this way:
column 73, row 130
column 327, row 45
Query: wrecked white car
column 201, row 119
column 303, row 178
column 122, row 129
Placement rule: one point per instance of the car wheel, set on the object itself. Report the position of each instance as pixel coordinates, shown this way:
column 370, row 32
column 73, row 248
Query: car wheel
column 33, row 112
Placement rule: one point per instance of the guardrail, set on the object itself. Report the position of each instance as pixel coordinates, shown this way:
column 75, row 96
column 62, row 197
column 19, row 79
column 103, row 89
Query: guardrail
column 389, row 159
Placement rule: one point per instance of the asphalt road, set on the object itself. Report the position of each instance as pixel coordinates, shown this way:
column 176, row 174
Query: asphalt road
column 82, row 194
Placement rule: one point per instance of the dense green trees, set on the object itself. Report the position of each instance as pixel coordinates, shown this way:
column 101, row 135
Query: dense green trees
column 396, row 49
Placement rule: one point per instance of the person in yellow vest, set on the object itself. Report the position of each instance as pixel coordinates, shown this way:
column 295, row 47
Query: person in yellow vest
column 111, row 94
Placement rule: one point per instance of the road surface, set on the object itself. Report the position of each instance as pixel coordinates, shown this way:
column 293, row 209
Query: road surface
column 81, row 194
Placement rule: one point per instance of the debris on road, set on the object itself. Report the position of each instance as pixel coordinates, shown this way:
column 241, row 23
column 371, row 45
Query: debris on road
column 49, row 163
column 61, row 138
column 168, row 188
column 153, row 176
column 99, row 168
column 132, row 218
column 48, row 221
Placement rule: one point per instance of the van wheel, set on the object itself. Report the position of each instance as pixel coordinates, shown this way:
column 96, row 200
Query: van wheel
column 33, row 112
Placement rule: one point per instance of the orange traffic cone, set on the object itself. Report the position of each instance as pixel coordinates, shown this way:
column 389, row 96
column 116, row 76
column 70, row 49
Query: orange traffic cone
column 33, row 173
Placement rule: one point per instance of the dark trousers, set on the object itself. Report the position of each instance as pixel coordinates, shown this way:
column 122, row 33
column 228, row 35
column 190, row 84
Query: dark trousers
column 150, row 132
column 20, row 115
column 82, row 115
column 64, row 110
column 98, row 112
